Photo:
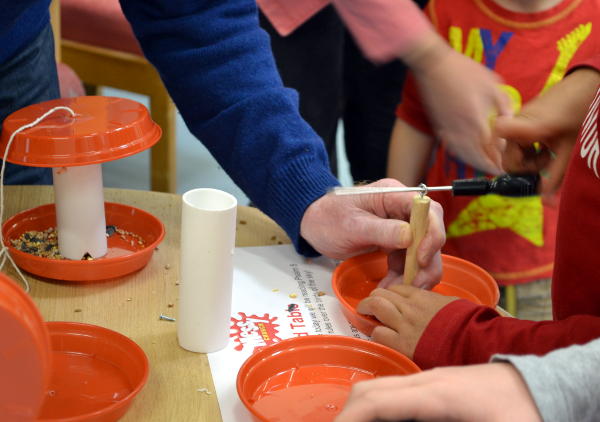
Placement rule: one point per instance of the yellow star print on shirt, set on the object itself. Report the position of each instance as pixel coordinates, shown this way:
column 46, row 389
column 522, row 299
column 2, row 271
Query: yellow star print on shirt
column 524, row 216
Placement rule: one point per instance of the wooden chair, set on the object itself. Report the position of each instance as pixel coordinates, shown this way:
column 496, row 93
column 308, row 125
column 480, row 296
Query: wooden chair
column 97, row 42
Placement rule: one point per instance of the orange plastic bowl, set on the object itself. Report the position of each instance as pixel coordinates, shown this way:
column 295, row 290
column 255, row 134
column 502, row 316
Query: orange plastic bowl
column 96, row 374
column 26, row 360
column 354, row 279
column 122, row 258
column 309, row 378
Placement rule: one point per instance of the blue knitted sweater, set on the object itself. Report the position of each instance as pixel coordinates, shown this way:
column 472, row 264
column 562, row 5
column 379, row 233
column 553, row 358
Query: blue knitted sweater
column 217, row 65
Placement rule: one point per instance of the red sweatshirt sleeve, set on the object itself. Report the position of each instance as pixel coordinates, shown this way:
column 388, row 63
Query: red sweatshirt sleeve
column 465, row 333
column 411, row 108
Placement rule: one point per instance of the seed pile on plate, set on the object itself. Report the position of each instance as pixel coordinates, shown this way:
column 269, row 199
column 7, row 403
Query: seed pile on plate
column 45, row 243
column 39, row 243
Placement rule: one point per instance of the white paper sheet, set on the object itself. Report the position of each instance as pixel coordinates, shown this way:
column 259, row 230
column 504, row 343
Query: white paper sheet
column 265, row 311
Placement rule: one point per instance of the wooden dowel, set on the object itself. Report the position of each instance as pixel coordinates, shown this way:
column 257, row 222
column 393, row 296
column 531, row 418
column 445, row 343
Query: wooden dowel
column 419, row 222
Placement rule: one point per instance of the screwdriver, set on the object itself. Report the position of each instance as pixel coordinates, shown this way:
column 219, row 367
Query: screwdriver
column 515, row 185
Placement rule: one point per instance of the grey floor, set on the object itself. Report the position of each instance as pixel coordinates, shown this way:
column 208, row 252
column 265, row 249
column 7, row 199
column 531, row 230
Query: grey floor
column 196, row 167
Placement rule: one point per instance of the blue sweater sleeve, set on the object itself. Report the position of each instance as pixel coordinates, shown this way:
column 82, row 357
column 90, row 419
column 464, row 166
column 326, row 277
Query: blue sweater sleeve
column 217, row 64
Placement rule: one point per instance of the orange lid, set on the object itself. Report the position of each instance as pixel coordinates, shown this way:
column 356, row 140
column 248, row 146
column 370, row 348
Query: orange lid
column 103, row 129
column 25, row 362
column 354, row 279
column 63, row 370
column 309, row 378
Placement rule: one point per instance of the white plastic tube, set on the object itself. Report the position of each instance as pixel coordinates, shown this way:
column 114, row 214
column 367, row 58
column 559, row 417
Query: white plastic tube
column 208, row 222
column 80, row 220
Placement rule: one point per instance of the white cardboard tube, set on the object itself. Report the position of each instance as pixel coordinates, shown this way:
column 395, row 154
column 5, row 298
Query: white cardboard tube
column 208, row 221
column 80, row 220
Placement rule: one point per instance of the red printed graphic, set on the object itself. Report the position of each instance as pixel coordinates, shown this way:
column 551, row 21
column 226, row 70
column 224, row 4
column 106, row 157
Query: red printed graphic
column 253, row 331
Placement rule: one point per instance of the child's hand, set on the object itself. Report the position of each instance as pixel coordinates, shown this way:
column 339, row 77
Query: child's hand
column 553, row 120
column 405, row 311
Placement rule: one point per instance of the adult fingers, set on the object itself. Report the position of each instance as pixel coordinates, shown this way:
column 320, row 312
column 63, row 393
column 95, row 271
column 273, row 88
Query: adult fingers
column 521, row 129
column 395, row 404
column 430, row 275
column 385, row 233
column 503, row 103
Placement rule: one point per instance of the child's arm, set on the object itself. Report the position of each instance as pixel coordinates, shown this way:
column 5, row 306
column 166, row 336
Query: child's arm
column 409, row 154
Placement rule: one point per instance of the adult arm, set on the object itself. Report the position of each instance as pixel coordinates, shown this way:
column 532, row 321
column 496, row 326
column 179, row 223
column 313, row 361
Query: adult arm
column 217, row 65
column 560, row 386
column 564, row 384
column 487, row 392
column 386, row 29
column 389, row 29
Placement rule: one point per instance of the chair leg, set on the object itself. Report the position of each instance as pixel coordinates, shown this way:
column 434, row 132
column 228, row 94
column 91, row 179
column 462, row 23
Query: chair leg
column 163, row 167
column 510, row 295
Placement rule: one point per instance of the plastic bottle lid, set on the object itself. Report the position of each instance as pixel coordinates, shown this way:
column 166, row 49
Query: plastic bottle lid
column 103, row 129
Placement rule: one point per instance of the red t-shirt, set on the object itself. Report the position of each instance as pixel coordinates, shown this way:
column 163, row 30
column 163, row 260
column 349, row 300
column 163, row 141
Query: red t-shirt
column 465, row 333
column 512, row 238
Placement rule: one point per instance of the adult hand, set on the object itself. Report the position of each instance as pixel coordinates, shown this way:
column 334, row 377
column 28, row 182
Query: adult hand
column 490, row 392
column 343, row 226
column 405, row 312
column 460, row 96
column 553, row 119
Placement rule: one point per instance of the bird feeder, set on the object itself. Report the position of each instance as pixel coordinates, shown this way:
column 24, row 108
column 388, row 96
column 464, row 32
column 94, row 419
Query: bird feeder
column 102, row 129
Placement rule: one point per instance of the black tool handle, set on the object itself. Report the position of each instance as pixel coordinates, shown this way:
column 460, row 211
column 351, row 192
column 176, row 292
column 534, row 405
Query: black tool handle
column 515, row 185
column 468, row 187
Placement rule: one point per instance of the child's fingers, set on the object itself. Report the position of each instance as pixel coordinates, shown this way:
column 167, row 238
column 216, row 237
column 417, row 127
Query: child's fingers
column 557, row 169
column 390, row 338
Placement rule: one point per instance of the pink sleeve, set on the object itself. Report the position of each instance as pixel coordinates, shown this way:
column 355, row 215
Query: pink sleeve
column 384, row 29
column 287, row 15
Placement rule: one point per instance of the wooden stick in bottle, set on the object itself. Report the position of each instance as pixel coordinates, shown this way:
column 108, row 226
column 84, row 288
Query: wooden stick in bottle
column 419, row 222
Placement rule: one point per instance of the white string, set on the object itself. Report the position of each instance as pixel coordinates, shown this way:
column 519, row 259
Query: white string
column 4, row 251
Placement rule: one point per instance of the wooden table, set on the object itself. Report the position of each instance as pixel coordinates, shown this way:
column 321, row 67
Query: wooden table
column 131, row 305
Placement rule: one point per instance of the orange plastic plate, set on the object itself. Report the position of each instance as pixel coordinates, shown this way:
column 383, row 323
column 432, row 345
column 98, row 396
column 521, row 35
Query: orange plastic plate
column 26, row 360
column 96, row 374
column 309, row 378
column 354, row 279
column 123, row 256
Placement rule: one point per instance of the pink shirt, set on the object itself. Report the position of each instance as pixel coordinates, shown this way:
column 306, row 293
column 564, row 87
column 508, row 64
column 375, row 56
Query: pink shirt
column 384, row 29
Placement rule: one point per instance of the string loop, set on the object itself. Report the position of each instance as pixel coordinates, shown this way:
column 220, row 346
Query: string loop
column 4, row 255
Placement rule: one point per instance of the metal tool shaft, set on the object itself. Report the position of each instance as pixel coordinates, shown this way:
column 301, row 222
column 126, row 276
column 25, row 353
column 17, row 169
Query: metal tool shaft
column 359, row 190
